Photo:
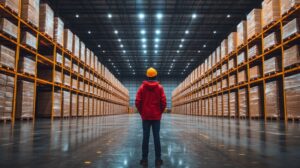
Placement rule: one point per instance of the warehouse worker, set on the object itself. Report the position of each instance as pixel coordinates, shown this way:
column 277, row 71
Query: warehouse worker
column 151, row 102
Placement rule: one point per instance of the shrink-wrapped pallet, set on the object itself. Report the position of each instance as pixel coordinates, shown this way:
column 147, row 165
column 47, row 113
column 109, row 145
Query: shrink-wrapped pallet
column 291, row 56
column 81, row 71
column 272, row 99
column 80, row 105
column 242, row 76
column 25, row 100
column 75, row 68
column 86, row 88
column 255, row 102
column 232, row 80
column 74, row 83
column 270, row 11
column 232, row 42
column 241, row 58
column 66, row 103
column 270, row 41
column 219, row 86
column 6, row 96
column 218, row 72
column 76, row 46
column 30, row 11
column 224, row 48
column 11, row 4
column 88, row 57
column 59, row 58
column 67, row 63
column 81, row 86
column 27, row 65
column 82, row 51
column 8, row 27
column 46, row 20
column 95, row 107
column 7, row 57
column 44, row 104
column 233, row 104
column 254, row 23
column 253, row 51
column 211, row 107
column 68, row 40
column 219, row 105
column 271, row 65
column 29, row 40
column 291, row 28
column 225, row 105
column 224, row 68
column 74, row 105
column 218, row 54
column 91, row 112
column 241, row 33
column 224, row 83
column 254, row 72
column 213, row 59
column 59, row 31
column 292, row 95
column 243, row 106
column 87, row 75
column 286, row 5
column 67, row 80
column 231, row 64
column 58, row 77
column 91, row 89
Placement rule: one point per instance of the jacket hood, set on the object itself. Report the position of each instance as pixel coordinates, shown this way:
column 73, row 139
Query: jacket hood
column 150, row 84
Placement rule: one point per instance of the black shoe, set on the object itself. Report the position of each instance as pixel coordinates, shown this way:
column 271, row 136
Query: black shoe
column 158, row 162
column 144, row 162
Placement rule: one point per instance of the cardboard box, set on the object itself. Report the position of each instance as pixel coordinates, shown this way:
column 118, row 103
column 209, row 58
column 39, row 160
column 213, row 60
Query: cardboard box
column 286, row 5
column 6, row 96
column 46, row 20
column 76, row 46
column 254, row 26
column 30, row 11
column 80, row 105
column 253, row 51
column 233, row 104
column 7, row 56
column 75, row 68
column 29, row 40
column 44, row 104
column 270, row 41
column 66, row 104
column 291, row 28
column 272, row 99
column 243, row 103
column 255, row 102
column 241, row 58
column 67, row 63
column 224, row 68
column 231, row 64
column 11, row 4
column 82, row 51
column 224, row 83
column 292, row 95
column 67, row 80
column 241, row 33
column 74, row 83
column 224, row 48
column 68, row 40
column 270, row 11
column 59, row 31
column 74, row 105
column 27, row 65
column 8, row 27
column 291, row 56
column 232, row 42
column 225, row 105
column 271, row 65
column 232, row 80
column 25, row 100
column 242, row 76
column 255, row 72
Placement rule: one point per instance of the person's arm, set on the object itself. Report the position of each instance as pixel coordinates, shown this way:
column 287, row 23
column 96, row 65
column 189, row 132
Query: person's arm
column 163, row 100
column 138, row 100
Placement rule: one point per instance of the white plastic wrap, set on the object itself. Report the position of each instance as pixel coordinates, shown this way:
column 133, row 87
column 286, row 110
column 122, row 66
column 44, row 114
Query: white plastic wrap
column 68, row 39
column 243, row 106
column 59, row 31
column 241, row 58
column 291, row 56
column 291, row 28
column 66, row 103
column 29, row 40
column 272, row 99
column 27, row 65
column 241, row 33
column 30, row 11
column 12, row 4
column 270, row 11
column 270, row 40
column 255, row 102
column 224, row 48
column 232, row 42
column 254, row 23
column 7, row 56
column 286, row 5
column 46, row 20
column 292, row 95
column 8, row 27
column 25, row 99
column 6, row 96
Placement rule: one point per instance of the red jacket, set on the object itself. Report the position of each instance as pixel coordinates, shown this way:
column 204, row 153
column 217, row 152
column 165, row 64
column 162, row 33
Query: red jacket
column 151, row 100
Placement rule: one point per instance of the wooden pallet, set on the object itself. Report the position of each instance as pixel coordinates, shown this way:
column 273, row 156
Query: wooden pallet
column 241, row 83
column 48, row 36
column 9, row 36
column 26, row 119
column 5, row 120
column 269, row 25
column 27, row 74
column 28, row 47
column 271, row 73
column 271, row 47
column 291, row 36
column 241, row 46
column 9, row 9
column 31, row 24
column 6, row 67
column 253, row 37
column 252, row 58
column 292, row 66
column 290, row 10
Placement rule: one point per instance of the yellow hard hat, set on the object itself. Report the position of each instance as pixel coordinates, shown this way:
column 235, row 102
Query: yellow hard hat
column 151, row 72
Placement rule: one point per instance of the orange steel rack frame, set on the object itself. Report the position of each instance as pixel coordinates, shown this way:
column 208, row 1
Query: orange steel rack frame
column 191, row 96
column 112, row 94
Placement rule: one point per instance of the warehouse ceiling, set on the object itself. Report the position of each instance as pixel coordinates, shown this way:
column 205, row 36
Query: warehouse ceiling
column 174, row 36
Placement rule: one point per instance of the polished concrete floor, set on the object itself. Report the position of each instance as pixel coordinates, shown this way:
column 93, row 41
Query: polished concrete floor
column 115, row 141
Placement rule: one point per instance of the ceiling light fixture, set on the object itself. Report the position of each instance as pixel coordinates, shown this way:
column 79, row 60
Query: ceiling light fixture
column 228, row 16
column 144, row 45
column 156, row 46
column 109, row 15
column 214, row 32
column 187, row 32
column 159, row 16
column 116, row 31
column 124, row 51
column 77, row 16
column 178, row 51
column 194, row 16
column 204, row 46
column 143, row 32
column 155, row 51
column 180, row 46
column 182, row 40
column 145, row 51
column 199, row 51
column 89, row 32
column 144, row 40
column 119, row 40
column 141, row 16
column 121, row 46
column 157, row 32
column 99, row 46
column 156, row 39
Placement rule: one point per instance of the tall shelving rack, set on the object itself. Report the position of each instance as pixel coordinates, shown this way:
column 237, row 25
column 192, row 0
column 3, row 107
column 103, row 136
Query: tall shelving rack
column 189, row 98
column 103, row 88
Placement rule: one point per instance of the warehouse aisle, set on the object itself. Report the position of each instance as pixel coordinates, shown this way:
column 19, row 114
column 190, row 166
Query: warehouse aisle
column 115, row 141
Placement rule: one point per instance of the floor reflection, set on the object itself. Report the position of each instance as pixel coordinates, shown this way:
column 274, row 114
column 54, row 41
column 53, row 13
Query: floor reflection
column 115, row 141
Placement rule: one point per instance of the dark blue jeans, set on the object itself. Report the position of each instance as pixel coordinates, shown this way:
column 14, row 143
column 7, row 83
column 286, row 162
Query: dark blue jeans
column 146, row 134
